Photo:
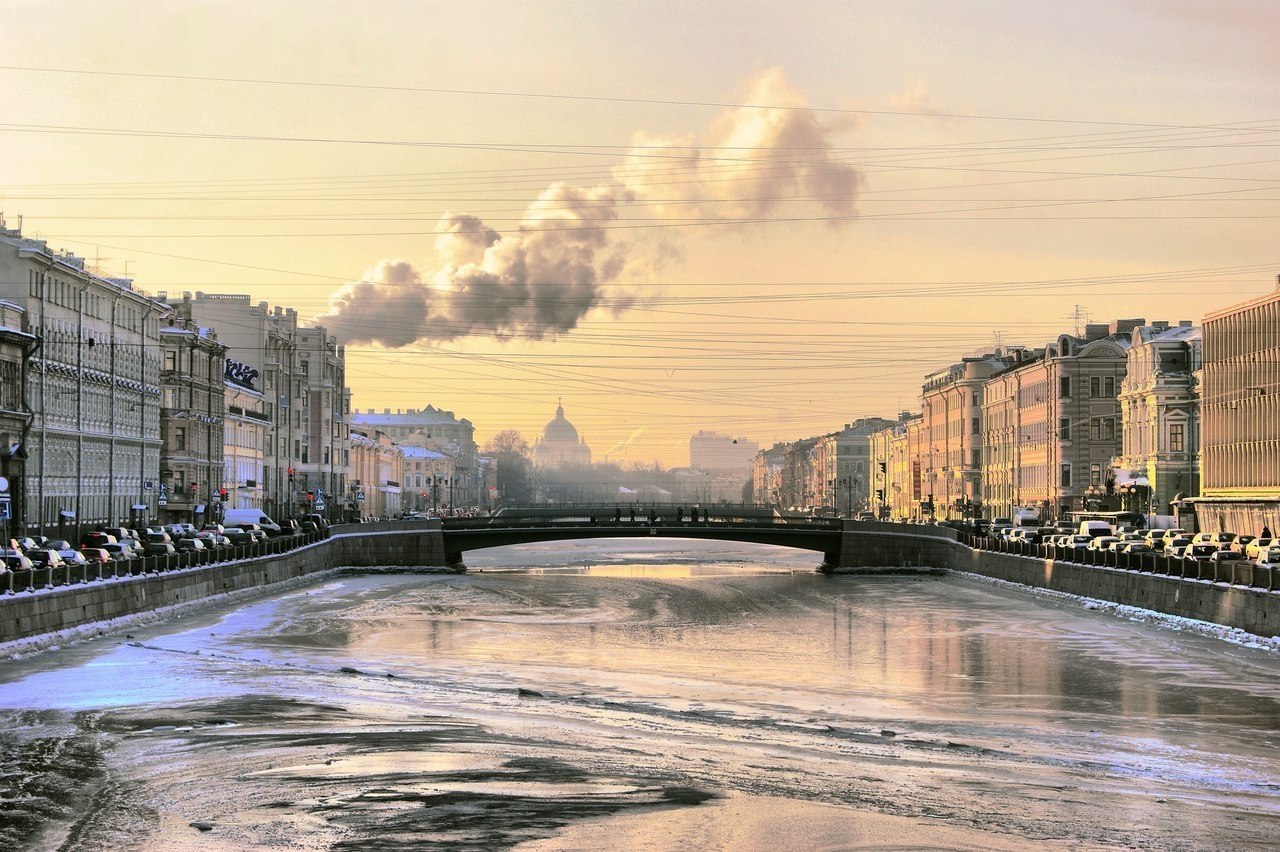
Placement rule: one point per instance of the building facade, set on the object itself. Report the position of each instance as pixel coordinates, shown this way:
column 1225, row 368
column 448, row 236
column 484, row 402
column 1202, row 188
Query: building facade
column 1051, row 426
column 90, row 449
column 192, row 432
column 1240, row 409
column 16, row 347
column 325, row 452
column 377, row 470
column 1158, row 464
column 437, row 430
column 244, row 441
column 766, row 476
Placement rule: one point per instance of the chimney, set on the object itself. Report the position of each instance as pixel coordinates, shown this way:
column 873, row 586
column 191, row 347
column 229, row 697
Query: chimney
column 1126, row 326
column 1096, row 331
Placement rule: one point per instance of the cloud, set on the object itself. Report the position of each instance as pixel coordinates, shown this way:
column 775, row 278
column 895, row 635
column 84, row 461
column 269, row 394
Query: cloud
column 915, row 98
column 560, row 263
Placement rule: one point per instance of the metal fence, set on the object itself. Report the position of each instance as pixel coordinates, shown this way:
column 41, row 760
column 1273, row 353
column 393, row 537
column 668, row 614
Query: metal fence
column 1235, row 572
column 66, row 574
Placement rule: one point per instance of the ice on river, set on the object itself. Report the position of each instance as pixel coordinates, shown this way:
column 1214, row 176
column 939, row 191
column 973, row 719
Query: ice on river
column 651, row 695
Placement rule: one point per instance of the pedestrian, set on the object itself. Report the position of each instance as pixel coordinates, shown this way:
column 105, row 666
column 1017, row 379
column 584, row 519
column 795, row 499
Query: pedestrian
column 680, row 514
column 1266, row 531
column 617, row 514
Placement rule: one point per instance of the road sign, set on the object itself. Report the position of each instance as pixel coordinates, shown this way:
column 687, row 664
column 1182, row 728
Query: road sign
column 4, row 484
column 6, row 509
column 319, row 505
column 359, row 496
column 162, row 502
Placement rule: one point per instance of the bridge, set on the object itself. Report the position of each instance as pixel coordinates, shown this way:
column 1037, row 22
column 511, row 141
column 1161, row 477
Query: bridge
column 560, row 523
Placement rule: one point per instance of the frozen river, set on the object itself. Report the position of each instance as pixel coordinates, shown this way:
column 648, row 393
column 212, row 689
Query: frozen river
column 643, row 694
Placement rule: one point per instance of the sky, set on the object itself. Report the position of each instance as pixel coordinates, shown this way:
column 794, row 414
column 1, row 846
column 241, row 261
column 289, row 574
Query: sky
column 672, row 216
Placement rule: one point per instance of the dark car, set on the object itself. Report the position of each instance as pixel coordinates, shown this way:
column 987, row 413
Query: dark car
column 158, row 547
column 255, row 531
column 237, row 536
column 97, row 539
column 121, row 551
column 188, row 545
column 16, row 560
column 44, row 558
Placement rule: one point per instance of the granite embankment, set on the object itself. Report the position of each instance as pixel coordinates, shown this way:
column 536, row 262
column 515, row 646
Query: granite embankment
column 1243, row 596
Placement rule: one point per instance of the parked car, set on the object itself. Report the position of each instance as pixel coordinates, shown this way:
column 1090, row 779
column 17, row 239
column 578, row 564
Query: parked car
column 255, row 531
column 1136, row 535
column 57, row 544
column 1220, row 539
column 1242, row 542
column 209, row 539
column 97, row 555
column 1079, row 541
column 1134, row 547
column 188, row 545
column 96, row 538
column 158, row 537
column 1269, row 558
column 1174, row 546
column 1227, row 557
column 1172, row 533
column 1102, row 542
column 215, row 528
column 71, row 556
column 121, row 551
column 238, row 536
column 45, row 558
column 158, row 547
column 16, row 560
column 1259, row 546
column 1202, row 552
column 317, row 519
column 27, row 543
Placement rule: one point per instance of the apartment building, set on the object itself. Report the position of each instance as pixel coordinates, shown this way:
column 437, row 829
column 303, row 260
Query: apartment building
column 1240, row 411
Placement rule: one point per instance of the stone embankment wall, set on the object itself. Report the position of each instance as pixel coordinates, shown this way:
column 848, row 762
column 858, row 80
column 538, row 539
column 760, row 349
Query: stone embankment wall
column 870, row 547
column 48, row 611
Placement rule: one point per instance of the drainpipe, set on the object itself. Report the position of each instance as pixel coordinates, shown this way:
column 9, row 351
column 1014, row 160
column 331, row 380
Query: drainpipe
column 44, row 396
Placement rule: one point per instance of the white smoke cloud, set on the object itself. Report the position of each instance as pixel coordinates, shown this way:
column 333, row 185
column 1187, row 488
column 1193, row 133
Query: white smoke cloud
column 542, row 279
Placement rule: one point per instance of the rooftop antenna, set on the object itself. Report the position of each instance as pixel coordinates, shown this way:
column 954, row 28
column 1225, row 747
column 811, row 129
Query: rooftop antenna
column 999, row 335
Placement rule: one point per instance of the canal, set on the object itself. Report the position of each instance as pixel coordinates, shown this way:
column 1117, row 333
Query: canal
column 644, row 694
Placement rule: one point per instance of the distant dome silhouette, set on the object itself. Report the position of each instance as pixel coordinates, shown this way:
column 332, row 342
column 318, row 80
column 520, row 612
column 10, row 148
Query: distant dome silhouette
column 560, row 443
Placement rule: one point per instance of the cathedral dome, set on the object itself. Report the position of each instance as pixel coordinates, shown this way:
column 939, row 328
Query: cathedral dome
column 560, row 430
column 560, row 444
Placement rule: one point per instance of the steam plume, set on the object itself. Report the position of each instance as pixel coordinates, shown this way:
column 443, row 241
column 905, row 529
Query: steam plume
column 541, row 280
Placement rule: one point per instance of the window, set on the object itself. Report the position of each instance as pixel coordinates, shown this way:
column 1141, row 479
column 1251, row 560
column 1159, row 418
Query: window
column 1095, row 474
column 1065, row 476
column 975, row 425
column 180, row 438
column 1064, row 386
column 1109, row 386
column 1064, row 428
column 170, row 360
column 1095, row 386
column 1095, row 429
column 1177, row 437
column 1108, row 428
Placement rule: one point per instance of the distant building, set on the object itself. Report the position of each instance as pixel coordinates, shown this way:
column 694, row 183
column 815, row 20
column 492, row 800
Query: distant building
column 560, row 445
column 441, row 432
column 766, row 475
column 1051, row 425
column 1159, row 456
column 243, row 444
column 712, row 452
column 377, row 469
column 192, row 434
column 1240, row 407
column 844, row 461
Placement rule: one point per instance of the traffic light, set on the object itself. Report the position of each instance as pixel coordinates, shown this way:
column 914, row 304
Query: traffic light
column 311, row 495
column 194, row 488
column 291, row 475
column 222, row 492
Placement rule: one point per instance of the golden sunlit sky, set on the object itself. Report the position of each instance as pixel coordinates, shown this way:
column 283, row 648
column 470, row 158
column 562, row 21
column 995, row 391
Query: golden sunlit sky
column 764, row 219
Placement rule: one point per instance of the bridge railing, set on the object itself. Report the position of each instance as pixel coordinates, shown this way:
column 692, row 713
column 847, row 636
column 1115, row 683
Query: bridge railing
column 626, row 521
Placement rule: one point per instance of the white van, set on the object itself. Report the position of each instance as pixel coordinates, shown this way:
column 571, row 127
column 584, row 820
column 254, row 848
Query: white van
column 235, row 517
column 1026, row 517
column 1096, row 529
